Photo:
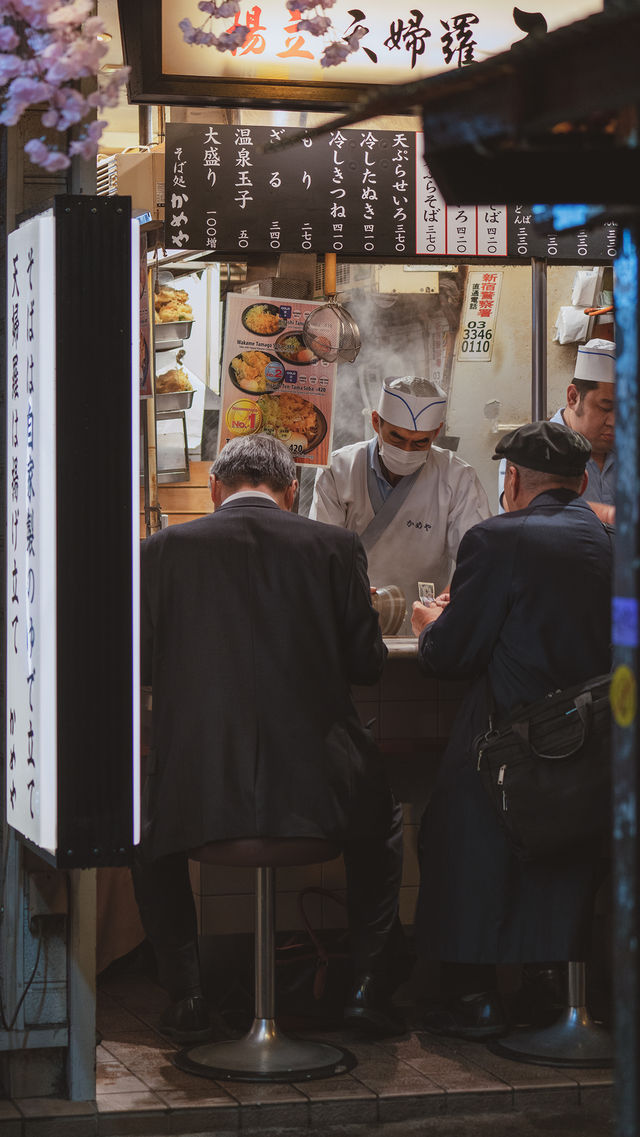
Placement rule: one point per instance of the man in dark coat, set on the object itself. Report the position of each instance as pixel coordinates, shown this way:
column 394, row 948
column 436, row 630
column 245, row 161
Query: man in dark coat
column 529, row 612
column 255, row 622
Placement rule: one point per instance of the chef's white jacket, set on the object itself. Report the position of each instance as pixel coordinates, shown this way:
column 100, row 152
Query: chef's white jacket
column 412, row 535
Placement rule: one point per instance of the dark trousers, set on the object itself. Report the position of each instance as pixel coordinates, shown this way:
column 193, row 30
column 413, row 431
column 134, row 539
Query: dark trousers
column 167, row 910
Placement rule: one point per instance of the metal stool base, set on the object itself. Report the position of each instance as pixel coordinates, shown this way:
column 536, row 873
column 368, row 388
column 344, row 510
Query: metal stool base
column 575, row 1042
column 265, row 1055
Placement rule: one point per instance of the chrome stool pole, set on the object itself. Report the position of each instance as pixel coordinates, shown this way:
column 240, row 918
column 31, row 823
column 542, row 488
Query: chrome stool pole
column 573, row 1041
column 265, row 1054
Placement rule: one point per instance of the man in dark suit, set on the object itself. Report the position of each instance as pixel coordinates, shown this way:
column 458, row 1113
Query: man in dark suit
column 528, row 614
column 255, row 622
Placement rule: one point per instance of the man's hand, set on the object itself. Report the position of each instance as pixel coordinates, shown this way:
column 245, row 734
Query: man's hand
column 606, row 513
column 422, row 615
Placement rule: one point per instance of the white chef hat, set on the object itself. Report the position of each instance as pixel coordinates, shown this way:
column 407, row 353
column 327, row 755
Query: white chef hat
column 412, row 402
column 596, row 362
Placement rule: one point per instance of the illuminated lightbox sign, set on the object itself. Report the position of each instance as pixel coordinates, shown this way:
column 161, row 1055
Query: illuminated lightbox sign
column 356, row 192
column 398, row 42
column 31, row 743
column 72, row 598
column 279, row 65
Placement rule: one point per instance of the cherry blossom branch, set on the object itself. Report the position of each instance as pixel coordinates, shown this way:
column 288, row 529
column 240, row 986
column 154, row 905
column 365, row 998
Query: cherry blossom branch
column 46, row 47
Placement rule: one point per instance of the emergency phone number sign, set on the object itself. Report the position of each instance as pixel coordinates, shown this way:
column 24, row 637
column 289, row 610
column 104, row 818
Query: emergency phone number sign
column 355, row 192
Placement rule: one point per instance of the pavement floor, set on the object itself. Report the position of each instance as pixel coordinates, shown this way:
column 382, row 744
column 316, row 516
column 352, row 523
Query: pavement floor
column 408, row 1086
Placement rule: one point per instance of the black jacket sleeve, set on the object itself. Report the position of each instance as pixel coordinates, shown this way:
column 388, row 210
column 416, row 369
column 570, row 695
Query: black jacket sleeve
column 364, row 650
column 459, row 643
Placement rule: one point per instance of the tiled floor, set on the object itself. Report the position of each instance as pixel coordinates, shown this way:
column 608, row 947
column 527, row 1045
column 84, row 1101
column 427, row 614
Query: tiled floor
column 411, row 1085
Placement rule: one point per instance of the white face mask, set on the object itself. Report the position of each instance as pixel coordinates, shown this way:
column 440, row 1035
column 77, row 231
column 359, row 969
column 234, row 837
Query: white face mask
column 401, row 461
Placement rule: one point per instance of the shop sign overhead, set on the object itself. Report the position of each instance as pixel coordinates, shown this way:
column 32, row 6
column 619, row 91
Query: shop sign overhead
column 358, row 193
column 281, row 61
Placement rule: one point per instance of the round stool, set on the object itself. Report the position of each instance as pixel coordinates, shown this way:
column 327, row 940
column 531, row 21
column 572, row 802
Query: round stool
column 265, row 1054
column 574, row 1041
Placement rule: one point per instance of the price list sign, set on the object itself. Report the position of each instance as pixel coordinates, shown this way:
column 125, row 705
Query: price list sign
column 227, row 191
column 31, row 741
column 355, row 192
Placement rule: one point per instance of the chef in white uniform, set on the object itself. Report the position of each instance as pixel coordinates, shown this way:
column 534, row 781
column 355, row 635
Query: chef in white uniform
column 410, row 502
column 590, row 409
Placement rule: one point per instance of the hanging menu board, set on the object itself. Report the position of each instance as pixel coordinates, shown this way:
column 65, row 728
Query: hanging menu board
column 357, row 193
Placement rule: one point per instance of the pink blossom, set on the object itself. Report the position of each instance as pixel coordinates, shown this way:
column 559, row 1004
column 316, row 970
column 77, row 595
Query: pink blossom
column 10, row 66
column 52, row 49
column 33, row 90
column 67, row 107
column 301, row 5
column 80, row 58
column 8, row 38
column 227, row 8
column 317, row 26
column 195, row 35
column 46, row 156
column 73, row 13
column 354, row 39
column 33, row 12
column 38, row 40
column 94, row 26
column 335, row 53
column 31, row 9
column 22, row 93
column 87, row 145
column 228, row 41
column 235, row 38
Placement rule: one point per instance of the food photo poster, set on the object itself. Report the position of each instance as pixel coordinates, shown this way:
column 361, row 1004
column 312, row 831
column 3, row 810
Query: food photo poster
column 272, row 383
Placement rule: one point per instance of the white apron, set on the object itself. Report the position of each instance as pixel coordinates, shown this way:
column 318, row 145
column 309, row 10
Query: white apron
column 415, row 534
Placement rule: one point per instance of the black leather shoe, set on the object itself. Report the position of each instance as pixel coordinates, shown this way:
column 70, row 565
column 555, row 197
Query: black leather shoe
column 474, row 1017
column 542, row 997
column 187, row 1020
column 369, row 1007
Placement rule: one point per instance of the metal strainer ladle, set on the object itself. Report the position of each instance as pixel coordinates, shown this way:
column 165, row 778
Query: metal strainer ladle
column 329, row 331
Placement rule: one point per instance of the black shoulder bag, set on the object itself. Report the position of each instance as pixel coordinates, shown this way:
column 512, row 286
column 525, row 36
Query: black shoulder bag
column 547, row 771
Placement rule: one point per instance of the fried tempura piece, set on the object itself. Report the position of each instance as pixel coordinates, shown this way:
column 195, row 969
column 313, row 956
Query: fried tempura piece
column 176, row 379
column 171, row 305
column 248, row 369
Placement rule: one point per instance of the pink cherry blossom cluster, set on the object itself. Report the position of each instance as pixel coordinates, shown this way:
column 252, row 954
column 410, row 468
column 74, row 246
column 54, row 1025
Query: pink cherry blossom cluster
column 229, row 40
column 316, row 24
column 46, row 46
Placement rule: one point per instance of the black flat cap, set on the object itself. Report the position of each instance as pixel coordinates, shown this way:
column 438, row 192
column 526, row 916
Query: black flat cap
column 547, row 446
